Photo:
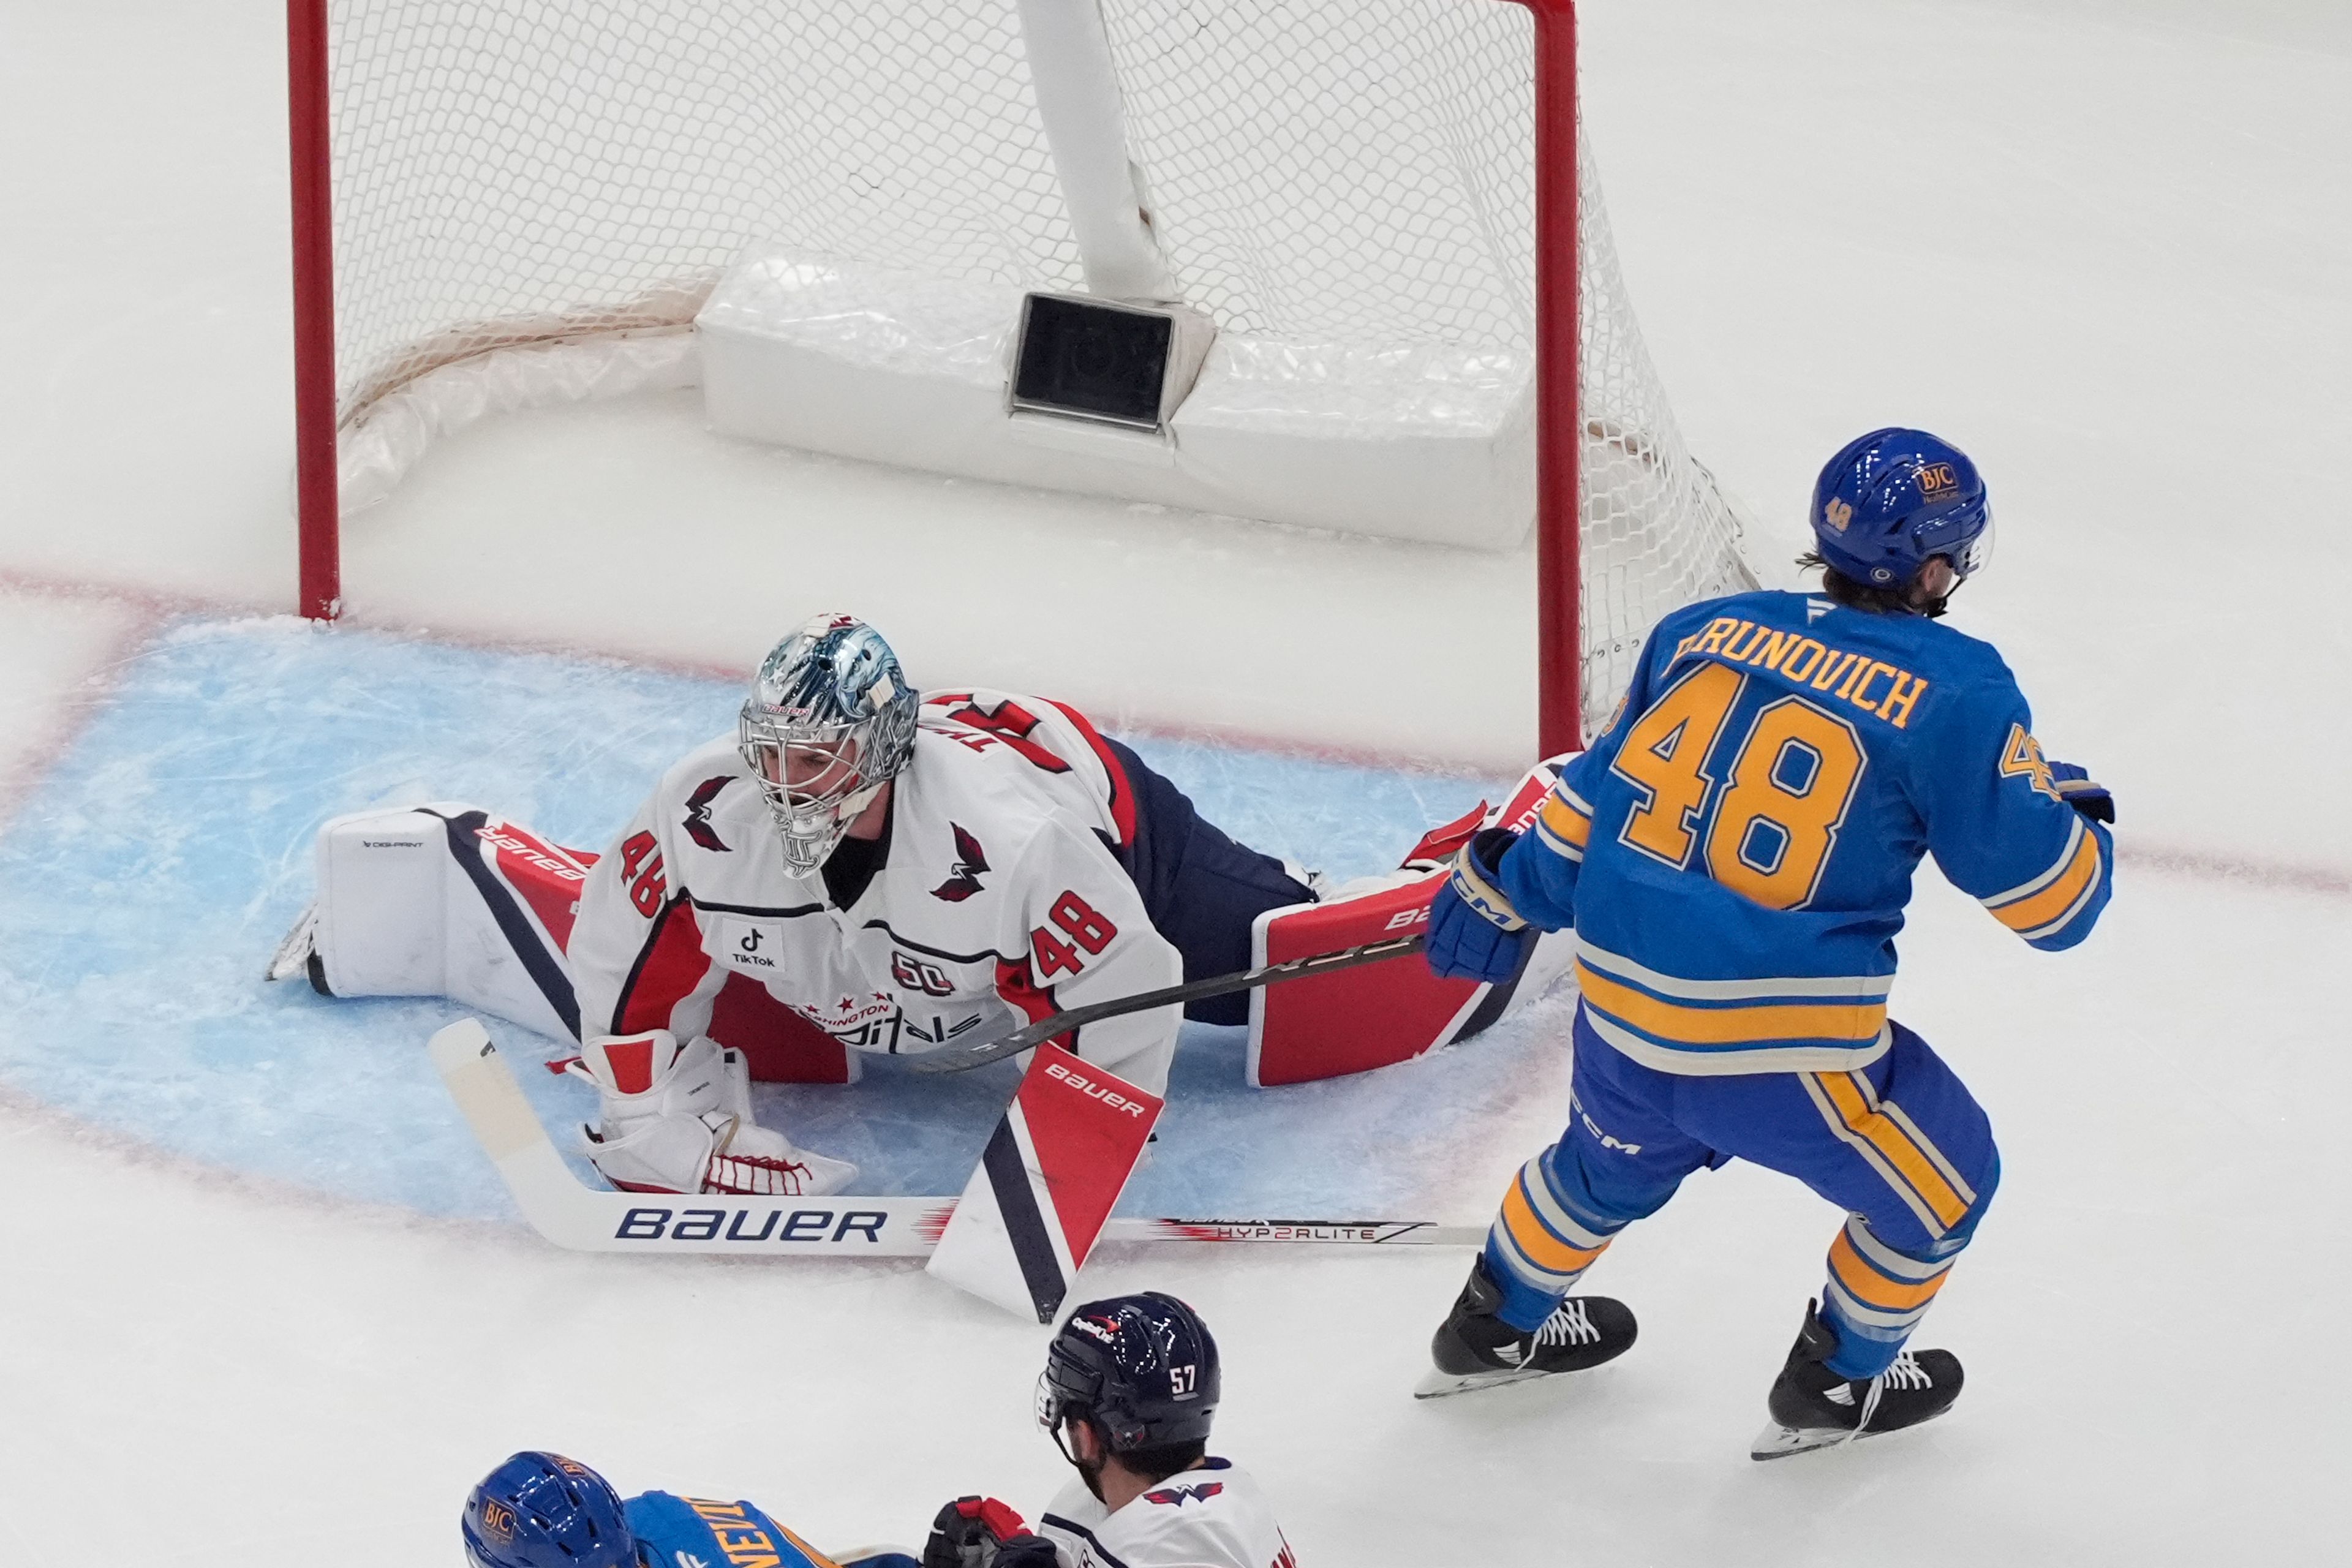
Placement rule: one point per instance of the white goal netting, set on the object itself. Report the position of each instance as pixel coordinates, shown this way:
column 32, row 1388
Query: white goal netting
column 553, row 172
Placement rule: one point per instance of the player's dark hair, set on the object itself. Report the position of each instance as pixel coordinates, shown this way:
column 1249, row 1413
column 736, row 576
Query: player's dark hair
column 1843, row 590
column 1163, row 1460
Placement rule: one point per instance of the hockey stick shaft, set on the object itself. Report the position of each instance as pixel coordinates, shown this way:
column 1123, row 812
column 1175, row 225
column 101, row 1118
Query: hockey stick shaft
column 1059, row 1024
column 570, row 1213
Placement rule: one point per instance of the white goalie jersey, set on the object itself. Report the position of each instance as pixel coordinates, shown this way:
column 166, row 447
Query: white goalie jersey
column 1212, row 1516
column 1024, row 861
column 996, row 896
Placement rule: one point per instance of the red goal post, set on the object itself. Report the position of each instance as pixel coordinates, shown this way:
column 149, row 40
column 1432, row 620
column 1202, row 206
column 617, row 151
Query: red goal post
column 1626, row 524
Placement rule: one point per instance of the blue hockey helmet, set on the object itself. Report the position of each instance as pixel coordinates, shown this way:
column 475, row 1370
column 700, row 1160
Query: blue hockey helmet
column 829, row 722
column 1143, row 1368
column 1892, row 500
column 543, row 1511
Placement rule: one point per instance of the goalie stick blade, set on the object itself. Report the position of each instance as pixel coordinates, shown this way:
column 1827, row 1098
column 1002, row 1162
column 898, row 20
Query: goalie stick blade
column 567, row 1211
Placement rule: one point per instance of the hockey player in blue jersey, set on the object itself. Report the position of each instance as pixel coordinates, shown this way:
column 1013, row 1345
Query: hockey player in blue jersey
column 1130, row 1388
column 1734, row 853
column 543, row 1511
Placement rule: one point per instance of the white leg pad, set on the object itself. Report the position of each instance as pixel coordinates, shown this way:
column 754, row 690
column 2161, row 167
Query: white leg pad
column 398, row 916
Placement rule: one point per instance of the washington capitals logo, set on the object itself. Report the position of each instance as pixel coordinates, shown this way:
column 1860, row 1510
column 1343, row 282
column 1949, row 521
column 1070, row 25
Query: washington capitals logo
column 1180, row 1496
column 698, row 812
column 971, row 861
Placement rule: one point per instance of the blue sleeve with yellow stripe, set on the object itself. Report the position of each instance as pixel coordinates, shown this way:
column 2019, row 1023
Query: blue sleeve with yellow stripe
column 2002, row 831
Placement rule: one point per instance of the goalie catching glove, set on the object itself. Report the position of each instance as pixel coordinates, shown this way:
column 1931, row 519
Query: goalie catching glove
column 677, row 1118
column 1474, row 931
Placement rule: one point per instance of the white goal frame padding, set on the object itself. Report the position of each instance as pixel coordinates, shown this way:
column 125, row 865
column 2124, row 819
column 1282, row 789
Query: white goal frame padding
column 1419, row 441
column 1429, row 442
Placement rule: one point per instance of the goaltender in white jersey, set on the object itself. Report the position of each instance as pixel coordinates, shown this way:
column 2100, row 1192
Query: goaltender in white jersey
column 898, row 872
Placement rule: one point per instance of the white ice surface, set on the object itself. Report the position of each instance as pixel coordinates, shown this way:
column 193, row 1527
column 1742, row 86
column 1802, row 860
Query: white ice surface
column 2106, row 245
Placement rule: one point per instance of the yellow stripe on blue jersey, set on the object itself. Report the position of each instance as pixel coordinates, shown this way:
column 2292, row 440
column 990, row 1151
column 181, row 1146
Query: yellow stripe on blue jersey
column 2045, row 905
column 1758, row 812
column 1564, row 822
column 1788, row 1024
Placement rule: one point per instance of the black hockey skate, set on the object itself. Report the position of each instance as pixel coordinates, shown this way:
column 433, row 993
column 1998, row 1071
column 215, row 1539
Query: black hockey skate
column 1474, row 1349
column 1813, row 1407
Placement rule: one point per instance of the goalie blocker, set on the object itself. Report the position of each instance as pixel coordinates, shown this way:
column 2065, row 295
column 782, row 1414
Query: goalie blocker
column 1354, row 1020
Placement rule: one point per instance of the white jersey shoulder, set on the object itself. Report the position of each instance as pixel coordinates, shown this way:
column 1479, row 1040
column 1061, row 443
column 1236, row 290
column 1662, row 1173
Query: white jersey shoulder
column 1212, row 1517
column 999, row 766
column 1040, row 747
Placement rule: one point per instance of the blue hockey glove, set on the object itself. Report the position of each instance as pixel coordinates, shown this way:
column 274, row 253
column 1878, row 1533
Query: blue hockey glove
column 1474, row 933
column 2075, row 788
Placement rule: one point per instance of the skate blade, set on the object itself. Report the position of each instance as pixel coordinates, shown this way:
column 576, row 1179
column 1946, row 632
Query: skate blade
column 1445, row 1384
column 1779, row 1442
column 293, row 954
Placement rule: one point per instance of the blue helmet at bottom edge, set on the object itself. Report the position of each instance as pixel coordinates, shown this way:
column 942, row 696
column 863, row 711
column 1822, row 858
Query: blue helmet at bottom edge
column 543, row 1511
column 1894, row 499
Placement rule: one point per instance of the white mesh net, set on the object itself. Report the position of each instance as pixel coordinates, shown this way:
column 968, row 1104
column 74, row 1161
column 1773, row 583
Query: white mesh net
column 570, row 171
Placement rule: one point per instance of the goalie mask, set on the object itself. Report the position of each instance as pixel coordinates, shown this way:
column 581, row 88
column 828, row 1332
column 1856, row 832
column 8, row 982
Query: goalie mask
column 830, row 720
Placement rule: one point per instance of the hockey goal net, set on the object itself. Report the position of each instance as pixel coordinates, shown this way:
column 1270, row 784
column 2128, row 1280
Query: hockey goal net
column 474, row 184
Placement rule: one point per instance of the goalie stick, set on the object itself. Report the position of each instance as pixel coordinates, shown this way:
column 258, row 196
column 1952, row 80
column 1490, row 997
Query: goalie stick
column 1059, row 1023
column 571, row 1214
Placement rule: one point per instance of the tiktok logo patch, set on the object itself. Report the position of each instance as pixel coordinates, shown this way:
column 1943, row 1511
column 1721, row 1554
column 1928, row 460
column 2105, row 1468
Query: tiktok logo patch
column 749, row 946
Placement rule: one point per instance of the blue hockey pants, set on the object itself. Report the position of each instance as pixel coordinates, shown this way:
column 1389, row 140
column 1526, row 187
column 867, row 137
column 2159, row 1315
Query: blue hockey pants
column 1901, row 1145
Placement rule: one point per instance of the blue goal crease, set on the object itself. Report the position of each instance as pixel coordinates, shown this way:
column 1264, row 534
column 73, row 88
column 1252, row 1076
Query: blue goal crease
column 146, row 881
